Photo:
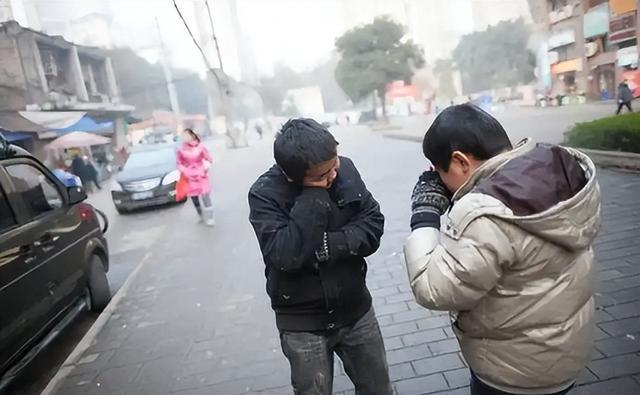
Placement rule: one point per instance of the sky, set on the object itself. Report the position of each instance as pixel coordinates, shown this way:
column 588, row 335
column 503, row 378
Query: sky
column 298, row 33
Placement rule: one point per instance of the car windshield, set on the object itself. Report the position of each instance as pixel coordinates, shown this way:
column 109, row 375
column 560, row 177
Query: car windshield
column 151, row 158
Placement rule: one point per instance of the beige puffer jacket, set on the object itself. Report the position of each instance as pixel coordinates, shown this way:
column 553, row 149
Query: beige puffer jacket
column 514, row 262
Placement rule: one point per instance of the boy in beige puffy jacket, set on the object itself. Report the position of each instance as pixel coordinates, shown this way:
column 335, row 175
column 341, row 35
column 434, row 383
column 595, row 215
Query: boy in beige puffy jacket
column 513, row 259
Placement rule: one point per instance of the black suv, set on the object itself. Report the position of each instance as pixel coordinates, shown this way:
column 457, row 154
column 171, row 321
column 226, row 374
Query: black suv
column 53, row 257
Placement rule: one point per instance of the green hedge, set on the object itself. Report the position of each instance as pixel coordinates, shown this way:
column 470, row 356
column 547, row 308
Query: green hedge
column 616, row 133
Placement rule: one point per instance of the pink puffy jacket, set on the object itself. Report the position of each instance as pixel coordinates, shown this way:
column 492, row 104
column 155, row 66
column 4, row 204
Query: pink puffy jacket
column 193, row 163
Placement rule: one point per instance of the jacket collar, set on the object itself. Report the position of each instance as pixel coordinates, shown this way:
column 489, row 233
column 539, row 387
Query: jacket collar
column 348, row 186
column 492, row 165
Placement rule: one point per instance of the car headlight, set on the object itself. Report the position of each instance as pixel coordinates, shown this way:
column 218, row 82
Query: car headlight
column 170, row 178
column 116, row 186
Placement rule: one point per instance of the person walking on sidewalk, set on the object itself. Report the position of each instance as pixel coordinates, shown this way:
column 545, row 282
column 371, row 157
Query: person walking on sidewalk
column 514, row 259
column 625, row 97
column 316, row 222
column 194, row 162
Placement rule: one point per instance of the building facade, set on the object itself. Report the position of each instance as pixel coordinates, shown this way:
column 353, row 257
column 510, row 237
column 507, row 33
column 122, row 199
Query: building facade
column 593, row 45
column 41, row 73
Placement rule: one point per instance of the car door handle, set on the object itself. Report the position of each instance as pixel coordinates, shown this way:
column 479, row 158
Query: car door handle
column 26, row 252
column 44, row 239
column 46, row 242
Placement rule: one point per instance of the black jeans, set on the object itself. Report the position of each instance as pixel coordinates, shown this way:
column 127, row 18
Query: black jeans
column 480, row 388
column 206, row 200
column 360, row 347
column 622, row 104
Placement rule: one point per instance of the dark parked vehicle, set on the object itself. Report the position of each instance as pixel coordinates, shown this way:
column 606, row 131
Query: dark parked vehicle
column 53, row 258
column 148, row 178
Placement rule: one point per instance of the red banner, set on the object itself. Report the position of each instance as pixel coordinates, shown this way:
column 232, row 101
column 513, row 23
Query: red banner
column 633, row 79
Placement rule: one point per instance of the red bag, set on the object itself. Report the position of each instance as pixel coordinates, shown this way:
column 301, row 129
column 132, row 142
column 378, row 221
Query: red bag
column 182, row 186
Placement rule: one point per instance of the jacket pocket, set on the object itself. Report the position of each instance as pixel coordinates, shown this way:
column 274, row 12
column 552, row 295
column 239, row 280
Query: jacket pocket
column 300, row 292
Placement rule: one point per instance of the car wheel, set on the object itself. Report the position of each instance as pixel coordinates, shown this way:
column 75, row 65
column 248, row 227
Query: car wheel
column 99, row 291
column 122, row 211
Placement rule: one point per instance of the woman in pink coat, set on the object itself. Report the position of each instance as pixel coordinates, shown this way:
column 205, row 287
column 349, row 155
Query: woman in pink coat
column 194, row 162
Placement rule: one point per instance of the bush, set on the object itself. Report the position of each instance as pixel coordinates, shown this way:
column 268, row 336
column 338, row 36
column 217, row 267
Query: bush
column 617, row 133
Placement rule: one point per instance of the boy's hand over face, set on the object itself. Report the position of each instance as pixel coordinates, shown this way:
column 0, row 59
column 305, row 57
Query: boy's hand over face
column 429, row 197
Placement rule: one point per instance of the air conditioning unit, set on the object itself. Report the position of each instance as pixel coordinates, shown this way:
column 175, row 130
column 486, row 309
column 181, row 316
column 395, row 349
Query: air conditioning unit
column 591, row 49
column 49, row 65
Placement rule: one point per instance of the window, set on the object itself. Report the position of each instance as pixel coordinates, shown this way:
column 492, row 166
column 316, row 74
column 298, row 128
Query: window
column 558, row 4
column 7, row 220
column 39, row 193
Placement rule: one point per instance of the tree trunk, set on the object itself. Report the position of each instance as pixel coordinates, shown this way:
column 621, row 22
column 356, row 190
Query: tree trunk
column 382, row 94
column 374, row 106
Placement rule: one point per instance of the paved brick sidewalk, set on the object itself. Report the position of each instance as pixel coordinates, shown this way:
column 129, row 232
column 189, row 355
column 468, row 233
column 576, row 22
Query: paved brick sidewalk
column 423, row 351
column 197, row 321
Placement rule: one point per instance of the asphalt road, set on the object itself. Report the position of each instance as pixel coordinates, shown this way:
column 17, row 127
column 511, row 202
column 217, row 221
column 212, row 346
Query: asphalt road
column 129, row 238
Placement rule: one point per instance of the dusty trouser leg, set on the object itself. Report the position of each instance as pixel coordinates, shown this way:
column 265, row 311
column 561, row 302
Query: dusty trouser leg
column 311, row 361
column 207, row 210
column 196, row 203
column 362, row 352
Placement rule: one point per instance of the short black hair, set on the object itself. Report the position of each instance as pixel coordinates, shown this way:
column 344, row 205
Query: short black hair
column 301, row 144
column 465, row 128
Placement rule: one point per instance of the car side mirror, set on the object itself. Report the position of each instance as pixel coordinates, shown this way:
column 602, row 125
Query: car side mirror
column 76, row 195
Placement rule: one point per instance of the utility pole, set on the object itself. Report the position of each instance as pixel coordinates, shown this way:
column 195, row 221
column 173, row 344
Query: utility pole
column 215, row 38
column 173, row 96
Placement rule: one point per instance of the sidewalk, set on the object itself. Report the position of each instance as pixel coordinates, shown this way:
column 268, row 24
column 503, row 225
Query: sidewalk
column 196, row 319
column 541, row 124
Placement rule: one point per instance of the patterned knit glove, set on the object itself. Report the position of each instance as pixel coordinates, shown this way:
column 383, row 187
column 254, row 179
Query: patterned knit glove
column 429, row 201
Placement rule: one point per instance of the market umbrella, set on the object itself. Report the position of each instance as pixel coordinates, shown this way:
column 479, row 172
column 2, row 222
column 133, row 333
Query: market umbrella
column 78, row 140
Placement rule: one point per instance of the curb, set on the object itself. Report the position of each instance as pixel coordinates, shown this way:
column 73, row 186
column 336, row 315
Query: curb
column 67, row 366
column 404, row 137
column 618, row 159
column 624, row 160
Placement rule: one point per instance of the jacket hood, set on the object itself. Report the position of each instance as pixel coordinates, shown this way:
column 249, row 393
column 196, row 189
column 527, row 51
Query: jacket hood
column 550, row 191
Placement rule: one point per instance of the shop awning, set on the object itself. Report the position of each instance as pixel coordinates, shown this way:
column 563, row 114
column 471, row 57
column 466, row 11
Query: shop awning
column 53, row 120
column 17, row 136
column 13, row 121
column 87, row 124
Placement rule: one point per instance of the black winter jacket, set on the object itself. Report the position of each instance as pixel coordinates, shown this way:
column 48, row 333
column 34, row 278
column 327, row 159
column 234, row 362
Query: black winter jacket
column 290, row 222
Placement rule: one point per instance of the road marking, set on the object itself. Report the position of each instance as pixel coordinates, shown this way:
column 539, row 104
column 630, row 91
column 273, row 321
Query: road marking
column 82, row 346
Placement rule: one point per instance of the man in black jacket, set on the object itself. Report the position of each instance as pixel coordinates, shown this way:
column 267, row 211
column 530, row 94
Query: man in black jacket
column 315, row 222
column 625, row 97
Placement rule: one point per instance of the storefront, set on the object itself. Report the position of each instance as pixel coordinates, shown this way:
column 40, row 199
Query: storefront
column 565, row 66
column 623, row 33
column 601, row 61
column 565, row 81
column 627, row 59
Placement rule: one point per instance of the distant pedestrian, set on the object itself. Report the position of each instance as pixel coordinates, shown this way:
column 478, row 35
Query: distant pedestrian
column 84, row 169
column 259, row 130
column 316, row 222
column 625, row 97
column 514, row 260
column 194, row 162
column 92, row 172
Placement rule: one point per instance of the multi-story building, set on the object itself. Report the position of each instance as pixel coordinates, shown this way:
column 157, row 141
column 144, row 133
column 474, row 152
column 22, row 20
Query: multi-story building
column 593, row 44
column 567, row 54
column 48, row 74
column 624, row 39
